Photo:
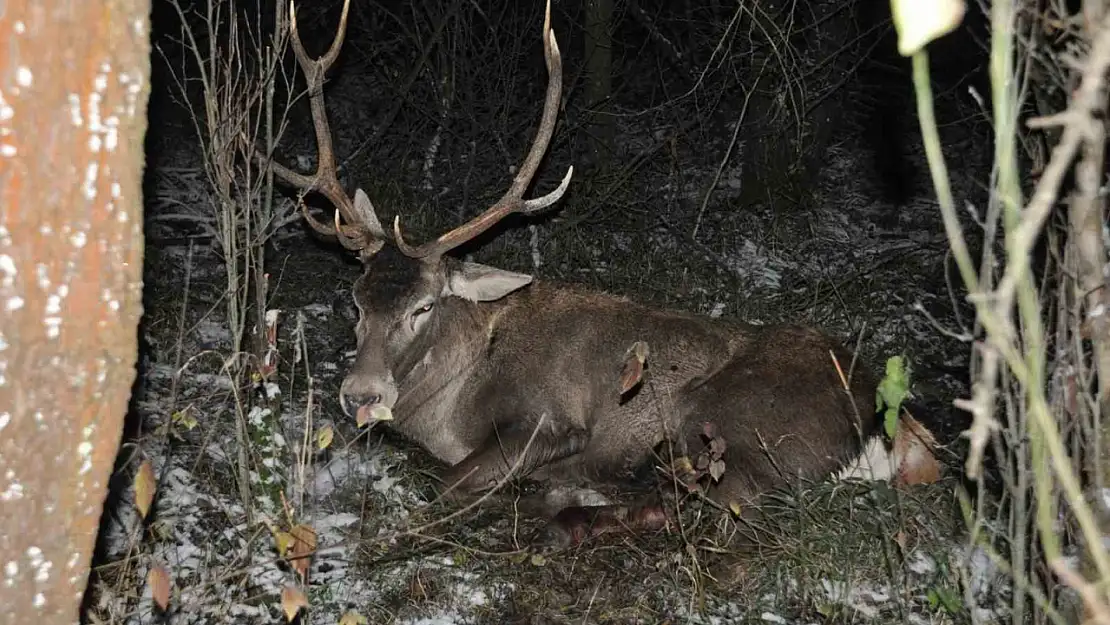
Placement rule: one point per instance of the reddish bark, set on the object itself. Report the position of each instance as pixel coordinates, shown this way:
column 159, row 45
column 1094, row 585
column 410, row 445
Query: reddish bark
column 73, row 94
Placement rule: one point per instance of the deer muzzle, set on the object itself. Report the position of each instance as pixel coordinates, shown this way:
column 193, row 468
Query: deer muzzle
column 366, row 393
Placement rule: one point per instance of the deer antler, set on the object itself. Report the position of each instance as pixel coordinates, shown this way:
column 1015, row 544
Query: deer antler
column 512, row 201
column 362, row 231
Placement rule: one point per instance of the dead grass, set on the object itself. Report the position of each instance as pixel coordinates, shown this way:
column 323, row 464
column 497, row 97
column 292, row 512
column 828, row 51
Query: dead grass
column 842, row 552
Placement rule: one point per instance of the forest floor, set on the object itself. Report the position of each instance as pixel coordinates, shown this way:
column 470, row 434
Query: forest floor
column 832, row 253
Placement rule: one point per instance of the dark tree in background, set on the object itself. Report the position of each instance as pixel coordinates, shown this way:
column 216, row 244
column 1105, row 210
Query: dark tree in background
column 73, row 97
column 598, row 55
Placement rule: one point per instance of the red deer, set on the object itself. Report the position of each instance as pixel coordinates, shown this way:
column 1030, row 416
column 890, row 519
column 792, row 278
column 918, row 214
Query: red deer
column 489, row 369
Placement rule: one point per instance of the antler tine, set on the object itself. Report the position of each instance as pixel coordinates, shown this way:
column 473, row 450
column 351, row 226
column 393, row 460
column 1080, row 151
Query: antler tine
column 314, row 70
column 358, row 232
column 512, row 201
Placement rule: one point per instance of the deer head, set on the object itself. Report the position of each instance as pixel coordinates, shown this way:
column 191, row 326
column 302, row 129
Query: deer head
column 409, row 296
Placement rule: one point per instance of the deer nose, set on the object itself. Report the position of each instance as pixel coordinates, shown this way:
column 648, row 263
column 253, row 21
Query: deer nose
column 353, row 401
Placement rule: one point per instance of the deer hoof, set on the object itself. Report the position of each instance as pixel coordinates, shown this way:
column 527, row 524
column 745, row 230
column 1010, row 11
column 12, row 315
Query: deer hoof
column 558, row 534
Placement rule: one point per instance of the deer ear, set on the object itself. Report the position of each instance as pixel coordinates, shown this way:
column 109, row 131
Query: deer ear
column 482, row 283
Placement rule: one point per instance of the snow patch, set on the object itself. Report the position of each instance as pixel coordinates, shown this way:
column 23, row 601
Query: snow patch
column 921, row 564
column 874, row 463
column 212, row 335
column 864, row 598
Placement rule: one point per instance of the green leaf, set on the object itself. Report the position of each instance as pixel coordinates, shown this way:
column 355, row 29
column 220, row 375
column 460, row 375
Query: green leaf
column 459, row 557
column 946, row 599
column 184, row 419
column 892, row 390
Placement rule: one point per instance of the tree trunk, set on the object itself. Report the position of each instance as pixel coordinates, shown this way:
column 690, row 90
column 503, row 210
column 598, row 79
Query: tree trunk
column 73, row 94
column 1086, row 216
column 598, row 53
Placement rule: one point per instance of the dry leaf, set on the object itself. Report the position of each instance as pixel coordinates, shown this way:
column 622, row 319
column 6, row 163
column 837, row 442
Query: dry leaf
column 144, row 488
column 158, row 578
column 684, row 473
column 633, row 371
column 717, row 469
column 709, row 430
column 900, row 538
column 324, row 437
column 913, row 456
column 282, row 542
column 717, row 446
column 369, row 416
column 682, row 466
column 702, row 462
column 184, row 419
column 300, row 552
column 350, row 617
column 292, row 600
column 381, row 413
column 418, row 591
column 362, row 417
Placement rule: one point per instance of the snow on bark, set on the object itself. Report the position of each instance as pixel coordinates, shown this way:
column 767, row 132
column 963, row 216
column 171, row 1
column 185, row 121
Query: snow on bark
column 73, row 95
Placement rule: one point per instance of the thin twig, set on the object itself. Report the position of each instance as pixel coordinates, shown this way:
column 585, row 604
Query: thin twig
column 1097, row 610
column 728, row 151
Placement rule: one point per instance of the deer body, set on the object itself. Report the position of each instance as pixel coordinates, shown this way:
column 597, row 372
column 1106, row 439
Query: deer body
column 488, row 370
column 493, row 368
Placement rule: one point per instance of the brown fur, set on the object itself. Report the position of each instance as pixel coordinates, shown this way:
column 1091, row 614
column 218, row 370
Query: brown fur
column 491, row 369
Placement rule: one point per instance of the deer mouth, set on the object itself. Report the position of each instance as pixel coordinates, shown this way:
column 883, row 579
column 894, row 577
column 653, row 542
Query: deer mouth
column 368, row 398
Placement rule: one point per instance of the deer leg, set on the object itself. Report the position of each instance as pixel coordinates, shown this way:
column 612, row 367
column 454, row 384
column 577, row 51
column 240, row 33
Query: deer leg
column 506, row 448
column 575, row 524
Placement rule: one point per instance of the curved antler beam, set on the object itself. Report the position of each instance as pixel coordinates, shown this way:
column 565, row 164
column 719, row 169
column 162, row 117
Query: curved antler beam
column 513, row 200
column 362, row 231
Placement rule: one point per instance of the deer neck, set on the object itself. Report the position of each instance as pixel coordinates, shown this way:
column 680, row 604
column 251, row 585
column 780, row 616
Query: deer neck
column 453, row 347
